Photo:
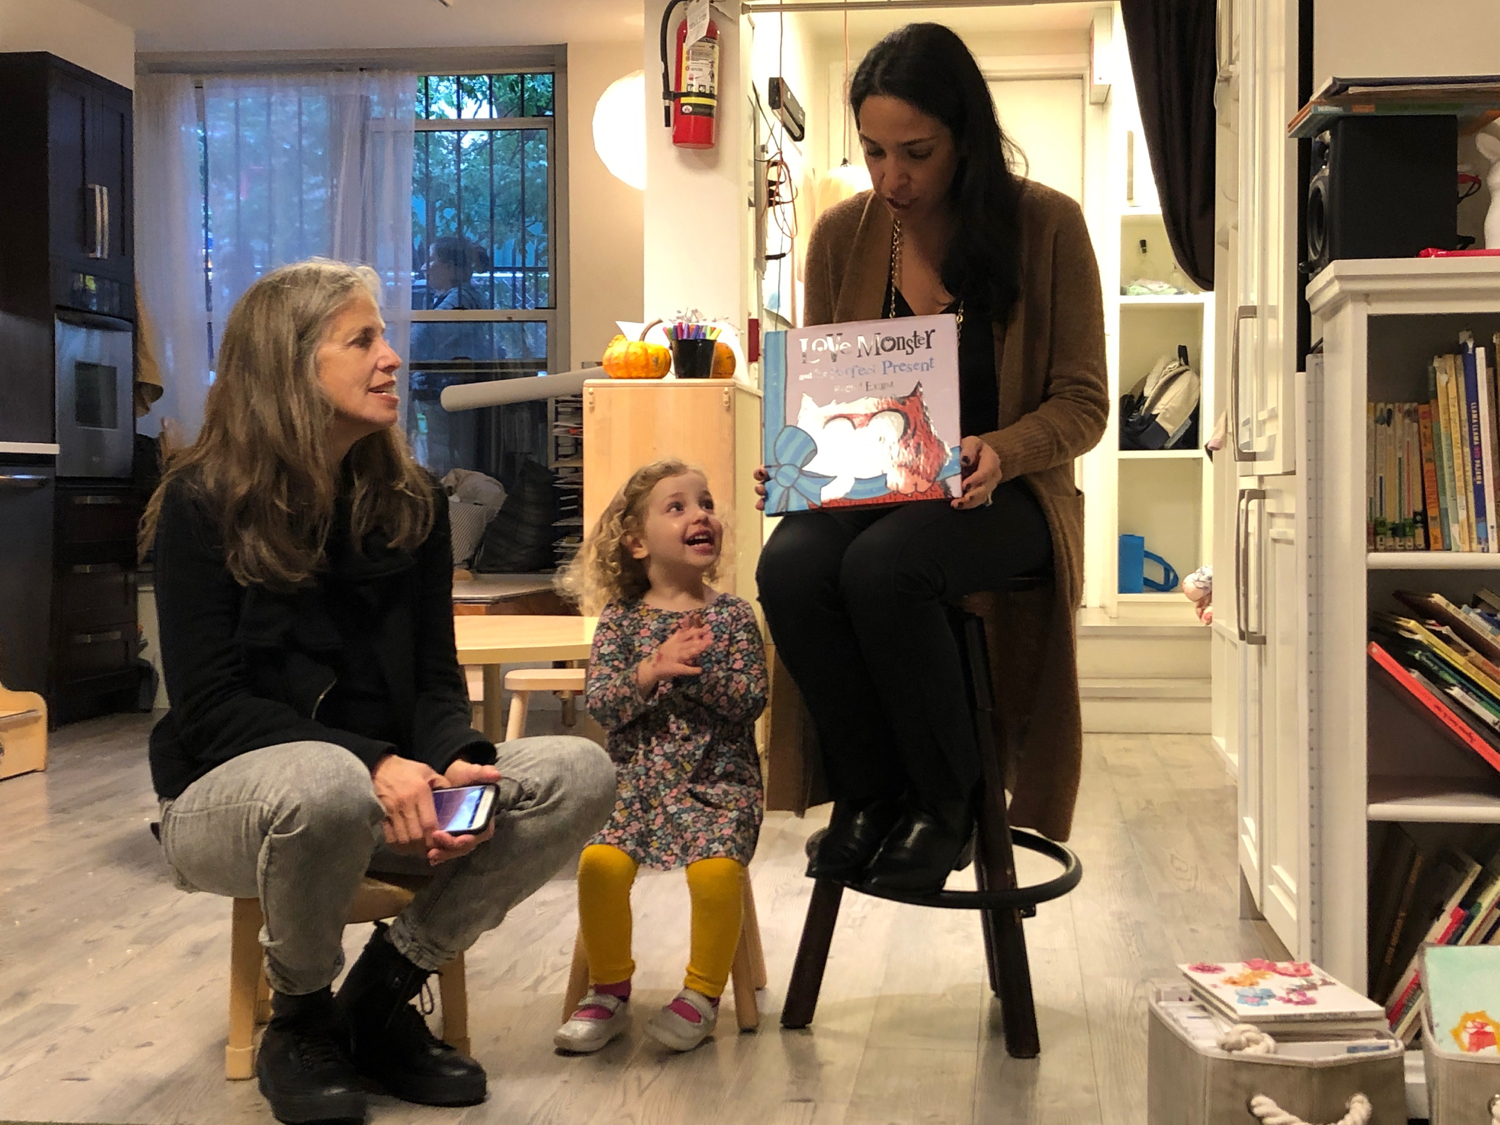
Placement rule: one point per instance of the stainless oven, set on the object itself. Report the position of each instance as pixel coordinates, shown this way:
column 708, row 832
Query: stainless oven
column 95, row 395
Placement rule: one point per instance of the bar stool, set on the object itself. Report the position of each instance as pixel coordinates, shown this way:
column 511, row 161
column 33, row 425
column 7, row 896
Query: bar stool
column 1001, row 902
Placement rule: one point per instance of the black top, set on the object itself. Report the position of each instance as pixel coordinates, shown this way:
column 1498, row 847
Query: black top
column 978, row 389
column 362, row 656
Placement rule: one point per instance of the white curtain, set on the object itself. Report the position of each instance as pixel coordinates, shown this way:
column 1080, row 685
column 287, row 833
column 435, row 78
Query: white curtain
column 294, row 165
column 169, row 246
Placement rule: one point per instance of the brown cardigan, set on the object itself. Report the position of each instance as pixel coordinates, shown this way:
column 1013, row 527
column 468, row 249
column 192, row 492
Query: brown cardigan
column 1054, row 405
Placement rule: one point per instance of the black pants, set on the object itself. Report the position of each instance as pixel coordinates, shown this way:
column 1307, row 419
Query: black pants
column 854, row 598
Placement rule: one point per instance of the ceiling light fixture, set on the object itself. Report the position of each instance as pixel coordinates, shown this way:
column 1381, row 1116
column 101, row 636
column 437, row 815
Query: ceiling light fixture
column 620, row 128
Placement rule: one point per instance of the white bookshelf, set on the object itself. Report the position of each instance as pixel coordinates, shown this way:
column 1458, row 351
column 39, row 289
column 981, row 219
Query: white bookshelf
column 1370, row 758
column 1431, row 560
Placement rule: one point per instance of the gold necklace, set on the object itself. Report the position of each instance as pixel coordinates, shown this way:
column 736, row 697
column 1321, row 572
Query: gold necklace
column 890, row 309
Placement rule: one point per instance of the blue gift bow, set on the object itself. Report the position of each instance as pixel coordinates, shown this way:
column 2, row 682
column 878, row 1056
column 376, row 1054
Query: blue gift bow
column 791, row 488
column 794, row 448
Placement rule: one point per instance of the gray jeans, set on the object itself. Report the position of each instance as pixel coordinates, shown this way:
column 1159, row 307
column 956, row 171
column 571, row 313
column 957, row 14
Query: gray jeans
column 298, row 825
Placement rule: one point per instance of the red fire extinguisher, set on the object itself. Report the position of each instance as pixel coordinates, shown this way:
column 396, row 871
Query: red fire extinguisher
column 693, row 97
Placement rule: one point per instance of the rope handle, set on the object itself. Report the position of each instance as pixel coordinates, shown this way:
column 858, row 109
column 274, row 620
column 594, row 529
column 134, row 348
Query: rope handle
column 1246, row 1039
column 1495, row 1110
column 1360, row 1112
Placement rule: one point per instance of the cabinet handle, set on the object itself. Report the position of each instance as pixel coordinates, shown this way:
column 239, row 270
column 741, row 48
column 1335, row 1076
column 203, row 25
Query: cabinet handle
column 98, row 501
column 1242, row 568
column 95, row 568
column 98, row 215
column 98, row 638
column 21, row 482
column 1242, row 314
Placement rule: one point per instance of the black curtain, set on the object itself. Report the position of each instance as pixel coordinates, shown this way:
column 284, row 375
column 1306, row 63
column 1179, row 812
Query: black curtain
column 1173, row 55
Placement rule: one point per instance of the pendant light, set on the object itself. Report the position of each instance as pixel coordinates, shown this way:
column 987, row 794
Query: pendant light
column 838, row 184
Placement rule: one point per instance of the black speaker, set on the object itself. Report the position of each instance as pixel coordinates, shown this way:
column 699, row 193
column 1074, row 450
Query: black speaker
column 1382, row 187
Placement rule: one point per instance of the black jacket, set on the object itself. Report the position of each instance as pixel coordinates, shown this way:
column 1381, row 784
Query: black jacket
column 249, row 667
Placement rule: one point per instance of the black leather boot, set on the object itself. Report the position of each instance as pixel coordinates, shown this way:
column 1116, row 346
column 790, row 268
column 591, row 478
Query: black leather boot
column 303, row 1067
column 854, row 834
column 392, row 1043
column 922, row 849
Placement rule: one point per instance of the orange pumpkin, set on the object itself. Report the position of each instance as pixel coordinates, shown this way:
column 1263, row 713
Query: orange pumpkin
column 723, row 361
column 636, row 359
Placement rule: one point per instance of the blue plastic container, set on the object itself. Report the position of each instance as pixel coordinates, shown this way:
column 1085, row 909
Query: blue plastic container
column 1133, row 580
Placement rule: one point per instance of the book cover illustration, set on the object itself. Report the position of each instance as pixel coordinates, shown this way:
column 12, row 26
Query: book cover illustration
column 861, row 413
column 1258, row 991
column 1462, row 984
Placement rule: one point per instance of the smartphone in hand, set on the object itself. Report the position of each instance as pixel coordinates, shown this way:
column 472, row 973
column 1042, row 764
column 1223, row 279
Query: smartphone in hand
column 465, row 810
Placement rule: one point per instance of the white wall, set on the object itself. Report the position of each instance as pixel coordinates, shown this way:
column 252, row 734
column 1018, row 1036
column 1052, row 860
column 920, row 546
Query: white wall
column 697, row 214
column 605, row 215
column 71, row 31
column 1379, row 38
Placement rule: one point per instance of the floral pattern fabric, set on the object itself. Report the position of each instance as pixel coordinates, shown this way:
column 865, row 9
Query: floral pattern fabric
column 688, row 774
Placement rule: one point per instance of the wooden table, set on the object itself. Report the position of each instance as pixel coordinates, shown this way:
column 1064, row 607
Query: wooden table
column 491, row 641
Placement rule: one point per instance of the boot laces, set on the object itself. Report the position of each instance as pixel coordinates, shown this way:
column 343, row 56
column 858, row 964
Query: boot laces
column 314, row 1050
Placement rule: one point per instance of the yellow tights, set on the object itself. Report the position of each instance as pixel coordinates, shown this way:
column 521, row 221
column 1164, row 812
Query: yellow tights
column 716, row 886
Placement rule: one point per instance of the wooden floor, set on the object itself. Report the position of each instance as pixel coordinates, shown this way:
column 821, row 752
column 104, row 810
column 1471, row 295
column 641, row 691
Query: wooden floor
column 113, row 985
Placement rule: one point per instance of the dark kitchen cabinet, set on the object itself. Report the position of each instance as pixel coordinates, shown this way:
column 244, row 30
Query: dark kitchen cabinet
column 66, row 259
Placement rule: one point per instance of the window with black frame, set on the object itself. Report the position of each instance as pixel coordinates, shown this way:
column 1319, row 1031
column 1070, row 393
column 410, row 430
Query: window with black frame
column 483, row 299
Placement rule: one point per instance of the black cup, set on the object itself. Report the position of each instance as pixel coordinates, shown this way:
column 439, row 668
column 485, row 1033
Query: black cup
column 693, row 359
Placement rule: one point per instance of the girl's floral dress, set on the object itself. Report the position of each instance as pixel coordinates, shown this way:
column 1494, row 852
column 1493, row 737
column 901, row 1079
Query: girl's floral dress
column 687, row 770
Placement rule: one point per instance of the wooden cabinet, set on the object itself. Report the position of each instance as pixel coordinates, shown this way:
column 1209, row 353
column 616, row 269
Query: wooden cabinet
column 711, row 423
column 95, row 633
column 66, row 138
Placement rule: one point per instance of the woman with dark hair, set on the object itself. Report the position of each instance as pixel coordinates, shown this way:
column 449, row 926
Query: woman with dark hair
column 304, row 586
column 855, row 597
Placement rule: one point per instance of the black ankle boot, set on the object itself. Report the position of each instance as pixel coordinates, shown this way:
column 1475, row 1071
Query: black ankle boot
column 392, row 1044
column 854, row 834
column 303, row 1067
column 922, row 849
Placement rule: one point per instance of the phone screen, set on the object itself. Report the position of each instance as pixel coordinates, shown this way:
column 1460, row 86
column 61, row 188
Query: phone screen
column 463, row 809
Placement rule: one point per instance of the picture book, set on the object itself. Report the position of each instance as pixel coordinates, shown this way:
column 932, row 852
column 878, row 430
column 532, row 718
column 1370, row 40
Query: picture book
column 1268, row 992
column 861, row 413
column 1462, row 985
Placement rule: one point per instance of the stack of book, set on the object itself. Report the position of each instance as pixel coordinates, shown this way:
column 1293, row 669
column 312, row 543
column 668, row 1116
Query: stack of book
column 1421, row 898
column 1444, row 663
column 1429, row 466
column 1281, row 996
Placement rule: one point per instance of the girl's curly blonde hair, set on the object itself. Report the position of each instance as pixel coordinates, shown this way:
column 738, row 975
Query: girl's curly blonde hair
column 604, row 570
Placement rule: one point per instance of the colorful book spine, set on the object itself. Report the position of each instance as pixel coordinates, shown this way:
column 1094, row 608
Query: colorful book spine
column 1382, row 479
column 1432, row 501
column 1440, row 460
column 1474, row 433
column 1490, row 435
column 1463, row 486
column 1415, row 506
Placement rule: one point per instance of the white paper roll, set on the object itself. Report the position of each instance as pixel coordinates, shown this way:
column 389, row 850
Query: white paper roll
column 498, row 392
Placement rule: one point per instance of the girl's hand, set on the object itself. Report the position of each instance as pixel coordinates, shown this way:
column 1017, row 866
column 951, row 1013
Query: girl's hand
column 677, row 655
column 761, row 476
column 980, row 468
column 404, row 789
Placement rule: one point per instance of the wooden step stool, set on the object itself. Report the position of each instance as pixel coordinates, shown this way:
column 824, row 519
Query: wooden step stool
column 746, row 976
column 523, row 681
column 23, row 732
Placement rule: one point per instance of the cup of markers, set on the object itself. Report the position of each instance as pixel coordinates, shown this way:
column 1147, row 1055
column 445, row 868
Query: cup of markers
column 693, row 340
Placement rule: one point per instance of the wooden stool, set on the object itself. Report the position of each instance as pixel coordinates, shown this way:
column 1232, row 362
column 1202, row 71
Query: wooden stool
column 746, row 975
column 523, row 681
column 1002, row 904
column 23, row 732
column 250, row 996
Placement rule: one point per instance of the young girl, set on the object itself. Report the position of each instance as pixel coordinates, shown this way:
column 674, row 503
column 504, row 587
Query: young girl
column 677, row 677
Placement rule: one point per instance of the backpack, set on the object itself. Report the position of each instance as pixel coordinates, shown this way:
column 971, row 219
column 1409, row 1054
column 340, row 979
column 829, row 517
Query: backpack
column 1159, row 411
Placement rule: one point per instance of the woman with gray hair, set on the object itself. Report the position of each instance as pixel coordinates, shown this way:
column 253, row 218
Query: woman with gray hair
column 303, row 582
